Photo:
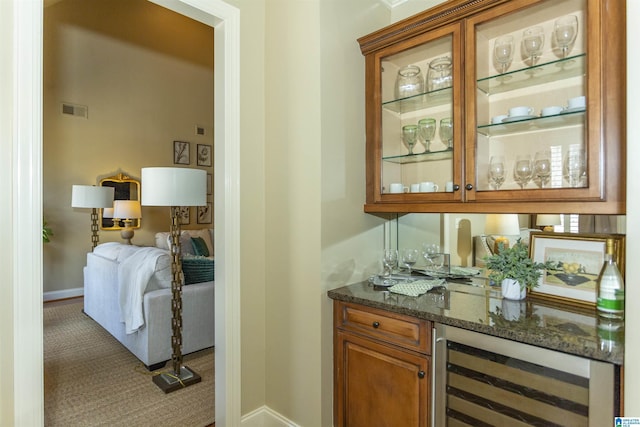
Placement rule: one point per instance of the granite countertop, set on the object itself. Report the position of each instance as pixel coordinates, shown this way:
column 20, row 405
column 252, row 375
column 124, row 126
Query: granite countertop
column 476, row 306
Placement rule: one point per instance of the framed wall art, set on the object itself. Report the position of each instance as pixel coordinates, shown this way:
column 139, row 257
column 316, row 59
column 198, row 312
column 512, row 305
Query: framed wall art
column 205, row 214
column 205, row 153
column 576, row 260
column 185, row 218
column 181, row 153
column 209, row 184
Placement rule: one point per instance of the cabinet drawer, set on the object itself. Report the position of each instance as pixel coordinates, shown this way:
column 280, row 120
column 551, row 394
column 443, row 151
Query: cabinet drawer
column 405, row 331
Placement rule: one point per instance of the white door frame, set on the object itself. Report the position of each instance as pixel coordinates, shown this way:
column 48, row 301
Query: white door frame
column 25, row 178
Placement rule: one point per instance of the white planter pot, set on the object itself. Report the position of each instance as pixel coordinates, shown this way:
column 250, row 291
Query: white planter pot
column 511, row 290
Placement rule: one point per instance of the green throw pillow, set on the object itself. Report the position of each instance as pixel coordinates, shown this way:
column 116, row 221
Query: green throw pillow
column 199, row 246
column 197, row 269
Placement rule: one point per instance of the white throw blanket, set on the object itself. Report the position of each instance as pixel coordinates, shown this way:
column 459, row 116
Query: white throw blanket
column 134, row 273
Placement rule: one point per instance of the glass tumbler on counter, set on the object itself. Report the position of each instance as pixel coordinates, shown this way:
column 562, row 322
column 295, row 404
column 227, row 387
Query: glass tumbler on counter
column 409, row 82
column 439, row 74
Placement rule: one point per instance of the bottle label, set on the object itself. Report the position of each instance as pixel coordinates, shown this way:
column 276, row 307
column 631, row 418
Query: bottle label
column 610, row 304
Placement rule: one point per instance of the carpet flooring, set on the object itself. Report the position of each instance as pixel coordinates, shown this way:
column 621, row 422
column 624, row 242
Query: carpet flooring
column 92, row 380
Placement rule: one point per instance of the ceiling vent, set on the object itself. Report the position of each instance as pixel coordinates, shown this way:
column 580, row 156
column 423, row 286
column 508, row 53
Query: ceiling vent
column 75, row 110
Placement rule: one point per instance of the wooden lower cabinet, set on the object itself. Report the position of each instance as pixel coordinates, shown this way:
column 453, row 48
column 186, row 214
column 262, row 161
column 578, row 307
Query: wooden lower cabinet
column 378, row 383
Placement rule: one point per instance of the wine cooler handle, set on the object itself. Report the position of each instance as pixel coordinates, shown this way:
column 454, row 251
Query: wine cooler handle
column 434, row 365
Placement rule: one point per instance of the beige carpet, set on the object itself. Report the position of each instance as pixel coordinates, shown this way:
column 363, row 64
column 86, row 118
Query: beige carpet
column 92, row 380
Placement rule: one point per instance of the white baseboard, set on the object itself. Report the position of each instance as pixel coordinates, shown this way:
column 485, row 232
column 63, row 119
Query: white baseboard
column 66, row 293
column 265, row 417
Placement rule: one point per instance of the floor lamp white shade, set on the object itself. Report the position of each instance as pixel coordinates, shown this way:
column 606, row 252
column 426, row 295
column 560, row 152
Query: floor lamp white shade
column 174, row 187
column 91, row 196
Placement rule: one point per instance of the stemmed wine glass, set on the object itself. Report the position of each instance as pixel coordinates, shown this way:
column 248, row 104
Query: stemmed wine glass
column 446, row 132
column 566, row 29
column 523, row 170
column 390, row 261
column 409, row 258
column 542, row 167
column 532, row 43
column 426, row 131
column 503, row 51
column 433, row 256
column 410, row 136
column 496, row 171
column 574, row 166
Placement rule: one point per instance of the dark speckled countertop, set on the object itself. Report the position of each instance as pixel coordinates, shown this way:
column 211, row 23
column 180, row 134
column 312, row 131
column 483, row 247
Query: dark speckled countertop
column 480, row 308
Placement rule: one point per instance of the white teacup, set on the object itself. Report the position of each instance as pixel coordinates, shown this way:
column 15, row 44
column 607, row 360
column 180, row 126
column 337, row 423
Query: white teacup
column 551, row 111
column 498, row 119
column 577, row 102
column 428, row 187
column 397, row 187
column 520, row 111
column 448, row 187
column 415, row 188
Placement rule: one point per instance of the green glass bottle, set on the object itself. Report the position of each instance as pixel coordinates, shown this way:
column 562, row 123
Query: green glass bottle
column 610, row 301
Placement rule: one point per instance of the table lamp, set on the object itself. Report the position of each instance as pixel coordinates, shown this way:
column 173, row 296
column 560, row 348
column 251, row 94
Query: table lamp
column 175, row 187
column 127, row 211
column 546, row 222
column 93, row 197
column 501, row 225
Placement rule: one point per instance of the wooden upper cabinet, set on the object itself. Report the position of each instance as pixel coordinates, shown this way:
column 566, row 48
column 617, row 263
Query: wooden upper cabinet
column 433, row 136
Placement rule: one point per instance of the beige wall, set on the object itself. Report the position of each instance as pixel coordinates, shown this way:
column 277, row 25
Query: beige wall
column 146, row 76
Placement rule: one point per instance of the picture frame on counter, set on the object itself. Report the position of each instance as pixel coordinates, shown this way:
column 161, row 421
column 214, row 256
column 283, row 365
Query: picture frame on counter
column 577, row 260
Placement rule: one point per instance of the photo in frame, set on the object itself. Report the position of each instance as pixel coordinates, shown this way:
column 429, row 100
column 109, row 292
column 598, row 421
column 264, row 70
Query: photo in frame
column 577, row 260
column 205, row 214
column 204, row 154
column 185, row 218
column 181, row 153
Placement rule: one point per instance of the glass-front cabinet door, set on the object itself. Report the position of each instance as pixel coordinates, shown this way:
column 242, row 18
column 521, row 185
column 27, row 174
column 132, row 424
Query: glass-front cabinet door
column 418, row 142
column 498, row 106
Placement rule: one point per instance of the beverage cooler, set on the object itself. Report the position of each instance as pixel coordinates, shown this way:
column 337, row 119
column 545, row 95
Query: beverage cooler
column 482, row 380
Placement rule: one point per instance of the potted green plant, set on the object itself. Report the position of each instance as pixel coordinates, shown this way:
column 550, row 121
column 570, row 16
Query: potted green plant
column 514, row 270
column 46, row 232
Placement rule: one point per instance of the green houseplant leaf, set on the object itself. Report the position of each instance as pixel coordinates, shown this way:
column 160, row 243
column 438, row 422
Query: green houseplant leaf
column 514, row 263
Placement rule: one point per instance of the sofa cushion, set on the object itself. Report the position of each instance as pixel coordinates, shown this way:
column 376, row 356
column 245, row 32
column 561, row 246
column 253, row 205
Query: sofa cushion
column 199, row 246
column 197, row 269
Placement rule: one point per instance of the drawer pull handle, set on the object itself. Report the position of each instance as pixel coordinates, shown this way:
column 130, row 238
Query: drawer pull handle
column 420, row 374
column 376, row 325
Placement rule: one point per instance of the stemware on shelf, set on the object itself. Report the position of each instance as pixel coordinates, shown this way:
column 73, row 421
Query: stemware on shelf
column 426, row 131
column 503, row 52
column 446, row 132
column 496, row 171
column 532, row 43
column 409, row 257
column 542, row 167
column 389, row 260
column 433, row 256
column 410, row 136
column 439, row 74
column 565, row 30
column 409, row 82
column 523, row 170
column 574, row 166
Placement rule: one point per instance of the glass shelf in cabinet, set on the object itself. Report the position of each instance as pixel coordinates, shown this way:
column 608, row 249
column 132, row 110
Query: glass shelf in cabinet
column 429, row 156
column 565, row 68
column 564, row 119
column 418, row 102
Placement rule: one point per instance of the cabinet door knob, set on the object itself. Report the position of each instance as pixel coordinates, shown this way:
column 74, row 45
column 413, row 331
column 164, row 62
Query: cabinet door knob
column 456, row 187
column 376, row 324
column 420, row 374
column 469, row 186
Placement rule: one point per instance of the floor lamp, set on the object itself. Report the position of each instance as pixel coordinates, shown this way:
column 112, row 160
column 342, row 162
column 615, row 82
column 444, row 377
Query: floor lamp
column 91, row 196
column 175, row 187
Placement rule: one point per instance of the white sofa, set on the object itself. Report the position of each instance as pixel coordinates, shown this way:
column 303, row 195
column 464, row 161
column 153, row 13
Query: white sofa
column 151, row 342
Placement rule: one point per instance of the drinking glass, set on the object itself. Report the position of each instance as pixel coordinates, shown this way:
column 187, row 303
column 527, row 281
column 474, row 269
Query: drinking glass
column 446, row 132
column 409, row 82
column 439, row 74
column 542, row 167
column 523, row 170
column 389, row 260
column 496, row 171
column 565, row 30
column 503, row 52
column 574, row 166
column 409, row 258
column 433, row 256
column 426, row 131
column 532, row 43
column 410, row 136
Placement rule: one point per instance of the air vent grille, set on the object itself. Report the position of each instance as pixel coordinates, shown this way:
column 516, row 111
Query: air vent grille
column 75, row 110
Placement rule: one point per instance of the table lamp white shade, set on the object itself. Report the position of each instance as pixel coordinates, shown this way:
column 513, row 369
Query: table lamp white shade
column 91, row 196
column 502, row 224
column 174, row 187
column 542, row 219
column 126, row 209
column 107, row 213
